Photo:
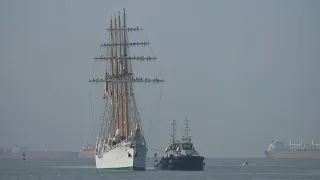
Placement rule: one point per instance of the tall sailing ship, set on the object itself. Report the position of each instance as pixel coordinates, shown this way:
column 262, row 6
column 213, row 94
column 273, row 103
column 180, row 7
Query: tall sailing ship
column 121, row 143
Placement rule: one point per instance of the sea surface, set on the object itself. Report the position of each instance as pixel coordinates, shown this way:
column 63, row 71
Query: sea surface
column 216, row 169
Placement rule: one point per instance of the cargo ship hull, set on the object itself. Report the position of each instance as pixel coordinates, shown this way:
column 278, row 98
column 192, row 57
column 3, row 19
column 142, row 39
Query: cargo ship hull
column 293, row 154
column 86, row 154
column 5, row 154
column 45, row 155
column 39, row 155
column 87, row 151
column 23, row 152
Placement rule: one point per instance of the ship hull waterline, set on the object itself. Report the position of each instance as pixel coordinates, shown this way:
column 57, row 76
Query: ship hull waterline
column 86, row 154
column 122, row 159
column 41, row 155
column 292, row 154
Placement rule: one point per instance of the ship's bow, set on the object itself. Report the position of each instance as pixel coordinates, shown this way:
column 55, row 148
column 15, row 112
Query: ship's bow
column 268, row 154
column 122, row 158
column 140, row 158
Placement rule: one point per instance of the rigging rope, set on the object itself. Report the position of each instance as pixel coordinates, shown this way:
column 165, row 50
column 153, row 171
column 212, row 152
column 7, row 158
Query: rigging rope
column 146, row 39
column 93, row 124
column 160, row 97
column 92, row 118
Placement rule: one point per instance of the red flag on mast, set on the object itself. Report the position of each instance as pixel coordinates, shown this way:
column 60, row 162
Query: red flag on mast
column 105, row 91
column 167, row 149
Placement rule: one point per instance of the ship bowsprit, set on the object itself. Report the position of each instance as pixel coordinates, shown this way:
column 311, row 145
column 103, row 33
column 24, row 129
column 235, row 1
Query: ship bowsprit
column 187, row 163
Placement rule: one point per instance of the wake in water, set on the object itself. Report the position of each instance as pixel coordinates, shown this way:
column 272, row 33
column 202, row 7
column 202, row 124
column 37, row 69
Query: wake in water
column 73, row 167
column 248, row 164
column 85, row 167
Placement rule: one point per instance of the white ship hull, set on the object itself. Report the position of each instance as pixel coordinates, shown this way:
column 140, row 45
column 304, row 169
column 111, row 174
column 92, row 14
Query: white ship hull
column 122, row 158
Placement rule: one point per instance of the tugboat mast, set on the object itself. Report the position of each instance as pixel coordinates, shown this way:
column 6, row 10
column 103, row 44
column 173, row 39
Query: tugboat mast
column 187, row 129
column 173, row 131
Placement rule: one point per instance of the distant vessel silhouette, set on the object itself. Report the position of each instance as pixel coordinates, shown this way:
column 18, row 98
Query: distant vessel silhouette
column 279, row 150
column 23, row 152
column 87, row 151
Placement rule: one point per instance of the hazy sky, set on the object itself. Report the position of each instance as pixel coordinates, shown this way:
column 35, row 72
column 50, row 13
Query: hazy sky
column 243, row 72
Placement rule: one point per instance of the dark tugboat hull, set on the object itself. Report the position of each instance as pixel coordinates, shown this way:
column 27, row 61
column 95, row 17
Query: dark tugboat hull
column 182, row 163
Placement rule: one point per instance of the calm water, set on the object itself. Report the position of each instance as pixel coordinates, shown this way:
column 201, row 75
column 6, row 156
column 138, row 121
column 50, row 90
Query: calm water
column 217, row 169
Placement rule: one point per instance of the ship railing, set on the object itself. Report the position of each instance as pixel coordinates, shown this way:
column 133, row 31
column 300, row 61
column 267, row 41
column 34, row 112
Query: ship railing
column 124, row 143
column 313, row 144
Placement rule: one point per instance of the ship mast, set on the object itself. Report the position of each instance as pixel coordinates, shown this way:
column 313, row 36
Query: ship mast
column 187, row 129
column 173, row 135
column 123, row 114
column 126, row 113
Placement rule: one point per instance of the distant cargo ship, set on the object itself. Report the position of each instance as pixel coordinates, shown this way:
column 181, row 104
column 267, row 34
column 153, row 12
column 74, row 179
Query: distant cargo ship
column 5, row 153
column 87, row 151
column 279, row 150
column 20, row 152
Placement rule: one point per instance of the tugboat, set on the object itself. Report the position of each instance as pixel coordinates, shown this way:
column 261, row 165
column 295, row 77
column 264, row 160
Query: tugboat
column 181, row 155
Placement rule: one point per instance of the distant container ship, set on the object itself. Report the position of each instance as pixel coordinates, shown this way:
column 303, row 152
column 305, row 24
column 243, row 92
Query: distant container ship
column 19, row 152
column 279, row 150
column 87, row 151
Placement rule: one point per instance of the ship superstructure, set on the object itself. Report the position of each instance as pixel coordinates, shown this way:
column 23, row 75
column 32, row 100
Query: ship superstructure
column 121, row 143
column 87, row 151
column 278, row 149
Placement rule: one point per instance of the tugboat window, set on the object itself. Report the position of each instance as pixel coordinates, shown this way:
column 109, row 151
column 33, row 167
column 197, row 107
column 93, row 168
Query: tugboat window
column 187, row 146
column 173, row 146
